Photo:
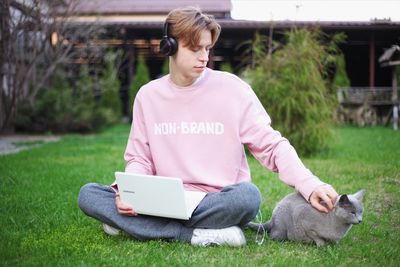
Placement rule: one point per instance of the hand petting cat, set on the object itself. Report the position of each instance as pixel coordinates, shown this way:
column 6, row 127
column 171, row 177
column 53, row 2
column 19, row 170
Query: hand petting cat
column 324, row 194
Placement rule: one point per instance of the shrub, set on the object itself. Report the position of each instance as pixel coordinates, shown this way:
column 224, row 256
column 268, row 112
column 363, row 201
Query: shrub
column 340, row 79
column 165, row 67
column 291, row 86
column 226, row 67
column 48, row 111
column 140, row 78
column 83, row 104
column 62, row 108
column 110, row 101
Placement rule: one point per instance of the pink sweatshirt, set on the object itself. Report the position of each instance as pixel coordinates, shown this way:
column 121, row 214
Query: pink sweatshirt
column 197, row 133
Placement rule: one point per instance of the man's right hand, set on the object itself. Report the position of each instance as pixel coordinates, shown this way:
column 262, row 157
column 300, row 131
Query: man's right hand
column 122, row 207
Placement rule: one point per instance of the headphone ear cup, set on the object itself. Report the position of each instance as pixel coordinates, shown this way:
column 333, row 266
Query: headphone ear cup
column 168, row 46
column 174, row 45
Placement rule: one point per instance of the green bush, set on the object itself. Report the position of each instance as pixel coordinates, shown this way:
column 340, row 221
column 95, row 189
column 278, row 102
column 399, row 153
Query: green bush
column 84, row 104
column 140, row 78
column 226, row 67
column 48, row 111
column 291, row 86
column 110, row 101
column 165, row 67
column 340, row 79
column 62, row 108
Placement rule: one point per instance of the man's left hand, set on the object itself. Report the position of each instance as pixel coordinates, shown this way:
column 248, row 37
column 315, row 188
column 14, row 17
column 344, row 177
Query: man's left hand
column 325, row 193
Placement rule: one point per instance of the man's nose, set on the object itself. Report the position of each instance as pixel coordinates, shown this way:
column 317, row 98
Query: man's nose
column 204, row 54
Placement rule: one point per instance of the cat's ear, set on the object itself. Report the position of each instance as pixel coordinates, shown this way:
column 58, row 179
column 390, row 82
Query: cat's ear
column 360, row 194
column 344, row 201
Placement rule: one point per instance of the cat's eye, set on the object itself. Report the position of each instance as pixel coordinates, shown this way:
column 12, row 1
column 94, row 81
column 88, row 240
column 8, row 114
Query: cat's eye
column 353, row 212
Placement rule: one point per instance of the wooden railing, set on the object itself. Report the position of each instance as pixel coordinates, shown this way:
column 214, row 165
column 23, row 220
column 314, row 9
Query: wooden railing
column 367, row 95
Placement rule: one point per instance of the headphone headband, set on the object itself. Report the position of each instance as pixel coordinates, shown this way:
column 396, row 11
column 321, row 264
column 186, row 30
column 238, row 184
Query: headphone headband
column 165, row 31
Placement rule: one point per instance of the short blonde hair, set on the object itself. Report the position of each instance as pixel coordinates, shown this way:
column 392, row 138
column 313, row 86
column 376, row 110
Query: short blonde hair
column 186, row 25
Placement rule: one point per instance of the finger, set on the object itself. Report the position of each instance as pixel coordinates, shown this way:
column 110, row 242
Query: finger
column 318, row 206
column 335, row 195
column 331, row 191
column 124, row 208
column 131, row 213
column 120, row 203
column 333, row 198
column 127, row 213
column 327, row 200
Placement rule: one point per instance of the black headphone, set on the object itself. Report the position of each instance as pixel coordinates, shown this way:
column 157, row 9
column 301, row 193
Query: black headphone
column 168, row 45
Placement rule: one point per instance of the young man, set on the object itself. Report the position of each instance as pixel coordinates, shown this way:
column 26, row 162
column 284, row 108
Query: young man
column 193, row 124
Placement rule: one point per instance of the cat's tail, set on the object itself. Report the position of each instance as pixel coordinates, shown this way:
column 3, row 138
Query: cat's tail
column 256, row 226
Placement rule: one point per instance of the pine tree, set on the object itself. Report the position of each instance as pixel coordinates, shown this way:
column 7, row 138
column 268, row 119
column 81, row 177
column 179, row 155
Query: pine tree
column 140, row 78
column 110, row 101
column 83, row 103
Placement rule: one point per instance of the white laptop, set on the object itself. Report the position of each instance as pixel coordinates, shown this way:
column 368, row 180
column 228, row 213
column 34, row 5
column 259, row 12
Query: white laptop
column 157, row 195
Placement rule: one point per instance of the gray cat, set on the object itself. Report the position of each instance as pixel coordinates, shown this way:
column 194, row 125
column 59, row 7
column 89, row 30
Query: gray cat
column 296, row 220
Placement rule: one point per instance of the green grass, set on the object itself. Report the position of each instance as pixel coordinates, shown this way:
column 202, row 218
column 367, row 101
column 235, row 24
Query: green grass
column 41, row 224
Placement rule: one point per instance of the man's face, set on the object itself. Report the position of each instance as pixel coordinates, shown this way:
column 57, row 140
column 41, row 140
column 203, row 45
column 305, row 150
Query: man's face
column 189, row 63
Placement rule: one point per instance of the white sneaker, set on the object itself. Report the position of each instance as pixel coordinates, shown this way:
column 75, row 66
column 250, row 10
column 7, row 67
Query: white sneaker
column 232, row 236
column 110, row 230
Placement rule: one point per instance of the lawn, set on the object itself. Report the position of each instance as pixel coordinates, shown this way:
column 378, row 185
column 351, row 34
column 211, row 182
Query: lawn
column 42, row 225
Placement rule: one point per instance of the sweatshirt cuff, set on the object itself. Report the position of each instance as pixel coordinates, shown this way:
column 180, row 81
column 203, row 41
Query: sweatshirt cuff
column 114, row 186
column 309, row 186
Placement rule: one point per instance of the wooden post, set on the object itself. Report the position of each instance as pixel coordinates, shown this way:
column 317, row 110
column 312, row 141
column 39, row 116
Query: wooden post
column 372, row 62
column 211, row 63
column 130, row 78
column 131, row 64
column 395, row 99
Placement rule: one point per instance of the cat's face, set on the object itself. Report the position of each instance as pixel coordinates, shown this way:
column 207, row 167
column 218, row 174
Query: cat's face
column 350, row 208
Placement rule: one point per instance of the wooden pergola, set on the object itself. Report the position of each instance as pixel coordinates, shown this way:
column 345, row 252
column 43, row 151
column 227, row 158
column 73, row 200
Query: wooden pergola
column 391, row 58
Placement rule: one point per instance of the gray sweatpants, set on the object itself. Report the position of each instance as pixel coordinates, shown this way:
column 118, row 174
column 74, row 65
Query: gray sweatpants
column 234, row 205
